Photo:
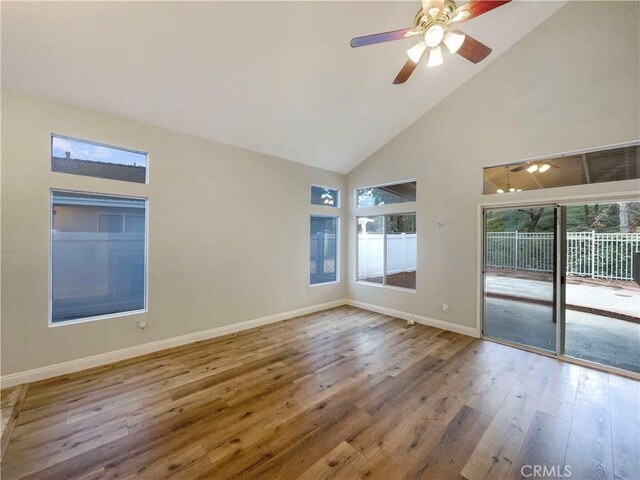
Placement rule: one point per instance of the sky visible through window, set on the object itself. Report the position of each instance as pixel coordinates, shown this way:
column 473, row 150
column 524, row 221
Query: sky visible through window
column 97, row 153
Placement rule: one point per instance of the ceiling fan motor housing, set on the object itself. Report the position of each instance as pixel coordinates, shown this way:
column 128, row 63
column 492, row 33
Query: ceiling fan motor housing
column 424, row 20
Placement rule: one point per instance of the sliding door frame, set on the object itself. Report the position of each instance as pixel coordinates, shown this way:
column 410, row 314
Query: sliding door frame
column 556, row 284
column 561, row 203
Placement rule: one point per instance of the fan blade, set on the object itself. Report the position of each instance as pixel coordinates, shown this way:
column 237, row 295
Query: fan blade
column 429, row 4
column 383, row 37
column 475, row 8
column 518, row 169
column 472, row 49
column 405, row 73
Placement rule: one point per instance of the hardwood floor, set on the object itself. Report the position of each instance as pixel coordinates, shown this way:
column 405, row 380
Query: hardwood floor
column 344, row 393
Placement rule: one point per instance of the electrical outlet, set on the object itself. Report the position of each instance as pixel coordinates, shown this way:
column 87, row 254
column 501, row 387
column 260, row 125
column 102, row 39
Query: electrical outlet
column 411, row 320
column 142, row 326
column 445, row 307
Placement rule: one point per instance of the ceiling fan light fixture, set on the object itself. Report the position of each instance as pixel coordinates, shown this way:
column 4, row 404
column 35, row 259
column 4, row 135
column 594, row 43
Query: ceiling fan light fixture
column 544, row 167
column 454, row 41
column 532, row 168
column 415, row 53
column 512, row 189
column 500, row 190
column 435, row 57
column 434, row 35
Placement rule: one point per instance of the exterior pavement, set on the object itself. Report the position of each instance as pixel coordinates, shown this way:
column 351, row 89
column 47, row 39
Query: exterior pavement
column 625, row 300
column 596, row 338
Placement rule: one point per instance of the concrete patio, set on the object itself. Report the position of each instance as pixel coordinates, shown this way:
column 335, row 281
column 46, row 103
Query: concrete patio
column 597, row 338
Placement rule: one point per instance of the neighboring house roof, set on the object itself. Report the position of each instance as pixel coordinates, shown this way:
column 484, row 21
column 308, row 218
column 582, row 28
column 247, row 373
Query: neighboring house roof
column 113, row 171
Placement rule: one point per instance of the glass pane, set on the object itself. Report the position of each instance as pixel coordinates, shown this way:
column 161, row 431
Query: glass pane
column 96, row 268
column 594, row 167
column 327, row 197
column 323, row 253
column 386, row 194
column 371, row 249
column 80, row 157
column 134, row 223
column 401, row 250
column 519, row 264
column 602, row 316
column 109, row 223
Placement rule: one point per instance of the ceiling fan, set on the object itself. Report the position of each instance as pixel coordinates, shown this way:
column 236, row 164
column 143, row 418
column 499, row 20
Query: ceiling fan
column 435, row 23
column 509, row 189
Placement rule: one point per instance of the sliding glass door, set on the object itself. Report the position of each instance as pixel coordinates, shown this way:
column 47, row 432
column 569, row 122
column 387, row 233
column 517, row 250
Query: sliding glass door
column 519, row 275
column 602, row 306
column 560, row 279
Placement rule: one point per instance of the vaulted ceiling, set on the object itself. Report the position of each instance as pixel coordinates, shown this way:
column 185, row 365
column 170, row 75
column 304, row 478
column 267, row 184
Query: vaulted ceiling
column 273, row 77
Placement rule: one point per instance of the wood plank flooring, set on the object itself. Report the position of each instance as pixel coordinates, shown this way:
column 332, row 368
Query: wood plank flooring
column 344, row 393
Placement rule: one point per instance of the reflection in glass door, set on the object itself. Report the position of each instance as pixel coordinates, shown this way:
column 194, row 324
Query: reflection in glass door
column 519, row 274
column 602, row 306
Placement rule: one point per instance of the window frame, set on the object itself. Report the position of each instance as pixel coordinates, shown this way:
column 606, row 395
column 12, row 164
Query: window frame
column 556, row 156
column 145, row 309
column 384, row 252
column 105, row 145
column 338, row 251
column 386, row 184
column 338, row 203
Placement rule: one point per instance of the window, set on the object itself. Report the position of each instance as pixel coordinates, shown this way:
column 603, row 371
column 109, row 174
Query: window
column 79, row 157
column 327, row 197
column 386, row 194
column 387, row 250
column 610, row 165
column 324, row 249
column 97, row 255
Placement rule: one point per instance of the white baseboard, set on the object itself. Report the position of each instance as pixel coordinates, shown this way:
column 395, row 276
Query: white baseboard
column 72, row 366
column 105, row 358
column 431, row 322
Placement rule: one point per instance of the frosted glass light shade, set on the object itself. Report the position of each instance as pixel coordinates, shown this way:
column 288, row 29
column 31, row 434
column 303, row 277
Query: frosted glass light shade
column 433, row 35
column 415, row 53
column 454, row 41
column 435, row 57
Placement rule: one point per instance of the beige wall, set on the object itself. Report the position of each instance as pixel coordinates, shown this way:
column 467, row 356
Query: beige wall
column 228, row 233
column 572, row 83
column 242, row 251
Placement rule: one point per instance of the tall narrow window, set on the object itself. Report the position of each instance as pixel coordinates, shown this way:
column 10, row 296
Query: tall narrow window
column 324, row 249
column 97, row 255
column 371, row 249
column 387, row 250
column 400, row 241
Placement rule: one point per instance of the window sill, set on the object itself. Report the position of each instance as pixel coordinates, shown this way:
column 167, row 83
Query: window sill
column 389, row 287
column 334, row 282
column 96, row 318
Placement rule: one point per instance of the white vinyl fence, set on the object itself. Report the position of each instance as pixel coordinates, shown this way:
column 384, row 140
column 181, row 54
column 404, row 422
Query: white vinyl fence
column 401, row 253
column 96, row 273
column 589, row 254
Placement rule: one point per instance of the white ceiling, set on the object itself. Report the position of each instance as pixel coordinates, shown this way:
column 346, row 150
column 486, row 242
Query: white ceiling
column 273, row 77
